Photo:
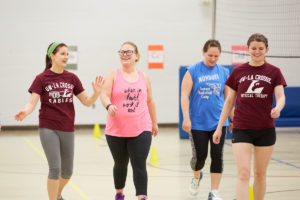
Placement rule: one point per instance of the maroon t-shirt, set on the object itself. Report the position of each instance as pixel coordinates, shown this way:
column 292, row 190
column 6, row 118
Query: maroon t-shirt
column 56, row 96
column 255, row 88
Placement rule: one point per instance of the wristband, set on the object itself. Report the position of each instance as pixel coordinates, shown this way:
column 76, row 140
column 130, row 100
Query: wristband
column 108, row 106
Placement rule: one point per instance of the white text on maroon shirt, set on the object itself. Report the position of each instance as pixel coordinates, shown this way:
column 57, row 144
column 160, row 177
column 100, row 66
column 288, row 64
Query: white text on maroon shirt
column 56, row 95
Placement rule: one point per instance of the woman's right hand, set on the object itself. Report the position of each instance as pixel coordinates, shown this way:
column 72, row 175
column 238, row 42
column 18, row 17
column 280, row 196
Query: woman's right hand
column 29, row 107
column 217, row 136
column 112, row 110
column 187, row 125
column 20, row 115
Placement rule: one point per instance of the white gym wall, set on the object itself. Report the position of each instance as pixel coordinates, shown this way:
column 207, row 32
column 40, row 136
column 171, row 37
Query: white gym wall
column 99, row 27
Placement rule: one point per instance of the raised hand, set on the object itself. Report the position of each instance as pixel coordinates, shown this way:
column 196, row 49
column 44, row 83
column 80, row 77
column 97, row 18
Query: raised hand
column 97, row 85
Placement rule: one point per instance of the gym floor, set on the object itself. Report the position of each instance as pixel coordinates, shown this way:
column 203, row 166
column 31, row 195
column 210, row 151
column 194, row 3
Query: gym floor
column 23, row 168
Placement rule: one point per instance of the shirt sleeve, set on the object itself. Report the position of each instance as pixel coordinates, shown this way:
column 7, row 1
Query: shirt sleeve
column 36, row 86
column 78, row 88
column 226, row 72
column 279, row 79
column 231, row 81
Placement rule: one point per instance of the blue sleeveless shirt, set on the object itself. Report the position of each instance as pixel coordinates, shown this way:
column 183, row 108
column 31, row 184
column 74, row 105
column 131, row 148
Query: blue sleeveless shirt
column 207, row 95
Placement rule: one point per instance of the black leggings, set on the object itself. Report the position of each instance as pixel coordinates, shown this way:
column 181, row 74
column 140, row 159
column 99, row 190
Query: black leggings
column 136, row 149
column 199, row 142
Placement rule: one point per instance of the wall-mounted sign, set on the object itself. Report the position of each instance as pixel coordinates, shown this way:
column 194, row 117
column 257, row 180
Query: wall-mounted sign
column 155, row 56
column 239, row 54
column 73, row 58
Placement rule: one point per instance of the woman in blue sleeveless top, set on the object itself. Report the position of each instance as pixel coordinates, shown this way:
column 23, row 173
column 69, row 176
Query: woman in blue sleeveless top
column 202, row 98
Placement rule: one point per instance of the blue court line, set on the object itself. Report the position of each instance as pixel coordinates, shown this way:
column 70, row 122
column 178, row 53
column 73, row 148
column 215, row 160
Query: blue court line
column 274, row 159
column 285, row 163
column 283, row 191
column 228, row 144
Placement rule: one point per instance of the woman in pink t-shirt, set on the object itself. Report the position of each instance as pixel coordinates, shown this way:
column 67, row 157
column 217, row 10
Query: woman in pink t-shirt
column 55, row 88
column 131, row 120
column 251, row 86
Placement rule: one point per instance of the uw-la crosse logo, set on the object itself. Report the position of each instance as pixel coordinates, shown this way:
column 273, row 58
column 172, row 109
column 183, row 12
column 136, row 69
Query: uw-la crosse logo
column 58, row 94
column 254, row 87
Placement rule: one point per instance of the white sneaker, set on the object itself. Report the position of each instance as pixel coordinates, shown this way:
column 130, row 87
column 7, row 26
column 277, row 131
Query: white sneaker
column 214, row 195
column 195, row 185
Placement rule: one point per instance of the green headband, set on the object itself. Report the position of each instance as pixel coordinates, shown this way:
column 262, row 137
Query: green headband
column 52, row 48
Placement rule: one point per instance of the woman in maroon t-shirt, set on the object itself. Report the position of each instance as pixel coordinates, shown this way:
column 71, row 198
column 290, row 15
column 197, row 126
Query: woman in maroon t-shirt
column 55, row 88
column 251, row 86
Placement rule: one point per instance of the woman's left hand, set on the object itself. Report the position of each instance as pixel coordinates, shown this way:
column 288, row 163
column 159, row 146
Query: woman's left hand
column 275, row 113
column 97, row 86
column 154, row 129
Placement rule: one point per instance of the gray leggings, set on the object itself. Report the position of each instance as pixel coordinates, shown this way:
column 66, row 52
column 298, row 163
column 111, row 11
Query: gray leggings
column 59, row 150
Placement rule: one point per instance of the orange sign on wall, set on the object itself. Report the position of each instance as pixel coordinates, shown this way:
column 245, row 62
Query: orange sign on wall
column 155, row 56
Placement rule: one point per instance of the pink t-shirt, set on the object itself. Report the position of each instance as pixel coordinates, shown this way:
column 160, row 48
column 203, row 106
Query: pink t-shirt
column 130, row 98
column 255, row 89
column 56, row 96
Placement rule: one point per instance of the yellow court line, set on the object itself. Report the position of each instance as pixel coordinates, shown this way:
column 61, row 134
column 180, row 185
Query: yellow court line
column 35, row 149
column 75, row 187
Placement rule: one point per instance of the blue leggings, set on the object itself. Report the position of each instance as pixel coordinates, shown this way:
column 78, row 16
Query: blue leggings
column 59, row 150
column 136, row 149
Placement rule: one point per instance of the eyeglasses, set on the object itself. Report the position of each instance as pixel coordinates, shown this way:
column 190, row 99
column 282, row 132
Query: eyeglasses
column 128, row 53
